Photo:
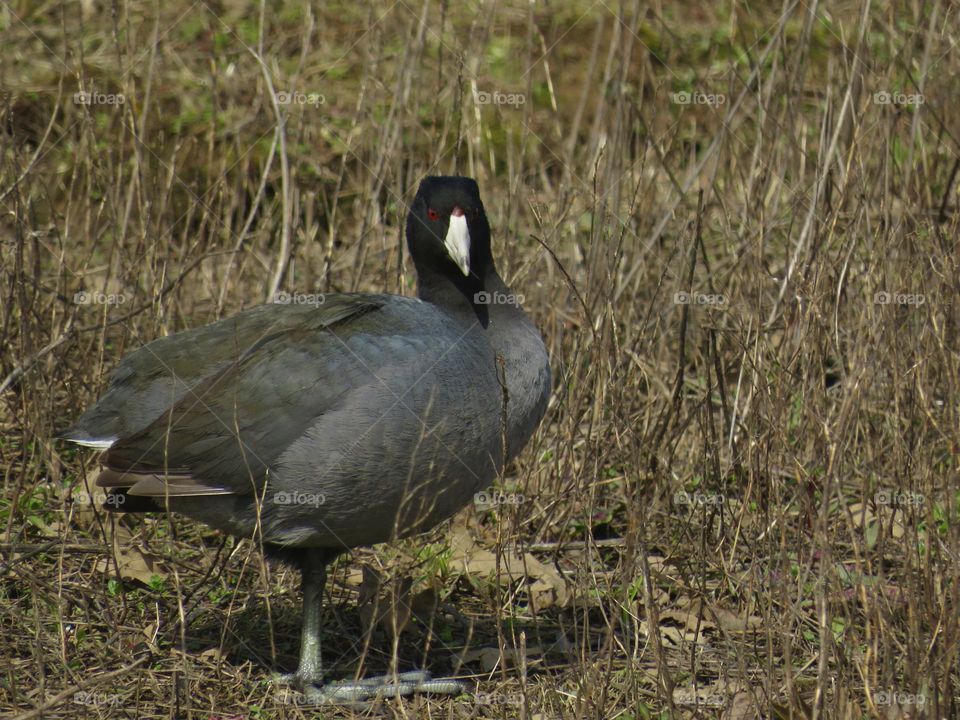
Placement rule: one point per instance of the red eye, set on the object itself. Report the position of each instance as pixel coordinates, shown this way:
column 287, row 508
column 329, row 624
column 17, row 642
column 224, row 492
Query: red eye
column 433, row 214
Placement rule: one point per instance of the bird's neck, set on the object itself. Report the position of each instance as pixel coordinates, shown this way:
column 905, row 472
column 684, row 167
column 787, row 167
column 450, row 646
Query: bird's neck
column 462, row 296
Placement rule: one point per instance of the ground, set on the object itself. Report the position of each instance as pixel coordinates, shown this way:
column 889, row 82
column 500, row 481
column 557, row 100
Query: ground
column 736, row 227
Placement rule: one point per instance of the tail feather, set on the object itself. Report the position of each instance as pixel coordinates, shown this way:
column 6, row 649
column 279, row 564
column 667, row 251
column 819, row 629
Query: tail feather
column 156, row 485
column 81, row 437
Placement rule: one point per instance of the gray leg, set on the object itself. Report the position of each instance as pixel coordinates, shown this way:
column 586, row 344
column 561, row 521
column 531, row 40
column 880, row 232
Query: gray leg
column 309, row 675
column 310, row 671
column 313, row 569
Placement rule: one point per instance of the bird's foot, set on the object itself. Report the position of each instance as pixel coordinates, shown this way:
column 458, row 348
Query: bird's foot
column 359, row 693
column 300, row 680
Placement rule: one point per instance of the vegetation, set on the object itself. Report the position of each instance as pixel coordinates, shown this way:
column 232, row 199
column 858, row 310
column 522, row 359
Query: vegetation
column 736, row 227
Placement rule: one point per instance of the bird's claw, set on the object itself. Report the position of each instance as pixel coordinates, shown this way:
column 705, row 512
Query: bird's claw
column 359, row 693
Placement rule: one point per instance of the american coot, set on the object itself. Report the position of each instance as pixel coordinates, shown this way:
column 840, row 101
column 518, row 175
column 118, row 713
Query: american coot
column 346, row 422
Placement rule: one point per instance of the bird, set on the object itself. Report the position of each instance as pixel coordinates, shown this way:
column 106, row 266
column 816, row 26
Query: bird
column 351, row 420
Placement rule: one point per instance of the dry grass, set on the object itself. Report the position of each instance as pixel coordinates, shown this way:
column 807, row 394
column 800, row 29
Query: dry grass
column 748, row 504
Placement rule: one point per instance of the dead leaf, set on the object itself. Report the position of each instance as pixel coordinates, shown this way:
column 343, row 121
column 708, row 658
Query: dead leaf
column 742, row 707
column 490, row 658
column 716, row 616
column 546, row 587
column 717, row 696
column 133, row 562
column 423, row 604
column 389, row 610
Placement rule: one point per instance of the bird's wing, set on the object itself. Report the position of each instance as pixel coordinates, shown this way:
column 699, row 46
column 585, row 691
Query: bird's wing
column 224, row 431
column 156, row 376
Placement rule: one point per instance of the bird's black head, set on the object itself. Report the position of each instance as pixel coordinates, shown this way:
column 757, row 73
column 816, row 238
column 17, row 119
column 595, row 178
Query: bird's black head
column 448, row 233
